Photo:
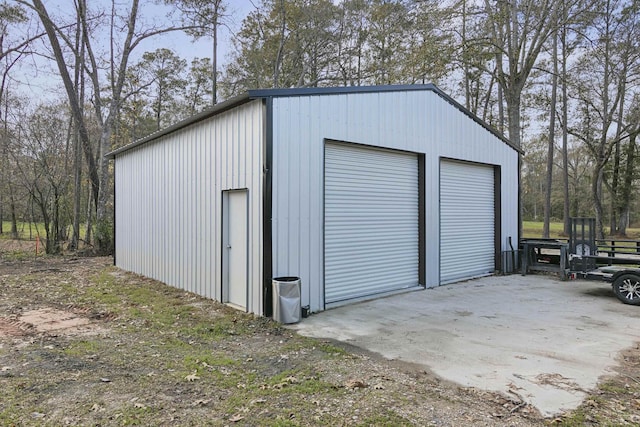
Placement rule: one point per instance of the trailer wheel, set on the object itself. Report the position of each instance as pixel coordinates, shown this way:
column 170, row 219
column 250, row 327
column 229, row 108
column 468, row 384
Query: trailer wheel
column 627, row 288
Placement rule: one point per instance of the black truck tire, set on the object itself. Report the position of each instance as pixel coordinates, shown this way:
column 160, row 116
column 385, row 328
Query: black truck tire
column 627, row 288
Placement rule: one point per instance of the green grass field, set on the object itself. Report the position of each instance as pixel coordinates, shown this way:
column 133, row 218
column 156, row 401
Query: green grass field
column 23, row 230
column 533, row 229
column 28, row 231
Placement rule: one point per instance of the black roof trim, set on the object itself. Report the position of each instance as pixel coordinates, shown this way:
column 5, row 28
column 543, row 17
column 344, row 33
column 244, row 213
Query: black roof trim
column 306, row 91
column 310, row 91
column 217, row 109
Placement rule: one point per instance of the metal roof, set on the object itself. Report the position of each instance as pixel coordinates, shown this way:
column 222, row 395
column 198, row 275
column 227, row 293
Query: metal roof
column 290, row 92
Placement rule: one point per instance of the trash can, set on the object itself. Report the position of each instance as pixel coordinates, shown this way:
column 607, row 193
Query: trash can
column 286, row 299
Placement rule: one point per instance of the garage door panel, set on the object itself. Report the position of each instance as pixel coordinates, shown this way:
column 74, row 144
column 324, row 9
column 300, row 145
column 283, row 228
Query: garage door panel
column 360, row 281
column 467, row 221
column 371, row 221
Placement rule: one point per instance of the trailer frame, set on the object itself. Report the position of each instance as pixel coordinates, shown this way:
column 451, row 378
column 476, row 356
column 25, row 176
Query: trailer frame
column 584, row 262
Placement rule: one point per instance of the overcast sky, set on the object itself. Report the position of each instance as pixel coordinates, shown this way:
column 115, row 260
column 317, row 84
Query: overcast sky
column 37, row 78
column 183, row 45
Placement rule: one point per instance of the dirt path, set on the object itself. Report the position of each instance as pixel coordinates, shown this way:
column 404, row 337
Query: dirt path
column 83, row 343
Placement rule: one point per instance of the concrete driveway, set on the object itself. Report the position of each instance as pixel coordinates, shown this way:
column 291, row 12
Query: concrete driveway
column 546, row 340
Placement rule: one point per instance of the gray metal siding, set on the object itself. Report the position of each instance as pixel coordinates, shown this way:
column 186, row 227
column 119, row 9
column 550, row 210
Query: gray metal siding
column 371, row 221
column 169, row 206
column 416, row 121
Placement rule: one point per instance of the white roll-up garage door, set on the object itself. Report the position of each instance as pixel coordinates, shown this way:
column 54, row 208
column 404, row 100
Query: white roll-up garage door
column 467, row 221
column 371, row 221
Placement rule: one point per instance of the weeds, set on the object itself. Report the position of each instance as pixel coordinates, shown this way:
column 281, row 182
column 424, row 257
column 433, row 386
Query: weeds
column 161, row 356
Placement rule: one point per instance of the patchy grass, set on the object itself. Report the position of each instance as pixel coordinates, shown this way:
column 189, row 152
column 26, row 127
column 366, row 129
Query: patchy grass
column 158, row 355
column 155, row 355
column 18, row 250
column 389, row 419
column 616, row 401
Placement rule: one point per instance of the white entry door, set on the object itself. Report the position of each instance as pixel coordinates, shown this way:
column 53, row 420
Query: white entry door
column 234, row 255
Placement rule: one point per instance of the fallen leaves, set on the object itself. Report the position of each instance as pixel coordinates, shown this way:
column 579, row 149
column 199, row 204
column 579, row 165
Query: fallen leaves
column 192, row 377
column 183, row 378
column 291, row 380
column 285, row 382
column 354, row 383
column 235, row 418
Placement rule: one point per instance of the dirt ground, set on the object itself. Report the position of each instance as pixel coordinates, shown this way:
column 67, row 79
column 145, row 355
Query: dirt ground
column 84, row 343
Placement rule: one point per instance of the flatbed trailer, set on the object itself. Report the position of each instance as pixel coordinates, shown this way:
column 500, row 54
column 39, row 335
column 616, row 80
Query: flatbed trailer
column 585, row 263
column 625, row 281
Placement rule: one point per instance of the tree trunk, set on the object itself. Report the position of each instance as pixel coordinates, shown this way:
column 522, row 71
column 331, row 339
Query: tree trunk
column 596, row 192
column 88, row 234
column 615, row 178
column 58, row 235
column 103, row 234
column 513, row 112
column 601, row 160
column 98, row 165
column 513, row 115
column 613, row 222
column 47, row 231
column 214, row 60
column 71, row 94
column 565, row 132
column 465, row 60
column 77, row 157
column 12, row 211
column 77, row 188
column 624, row 207
column 278, row 62
column 552, row 137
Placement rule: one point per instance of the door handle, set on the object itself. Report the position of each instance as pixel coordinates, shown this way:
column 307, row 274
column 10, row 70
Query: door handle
column 228, row 246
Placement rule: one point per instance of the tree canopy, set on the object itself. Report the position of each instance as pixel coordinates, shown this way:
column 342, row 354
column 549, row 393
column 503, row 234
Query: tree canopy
column 558, row 78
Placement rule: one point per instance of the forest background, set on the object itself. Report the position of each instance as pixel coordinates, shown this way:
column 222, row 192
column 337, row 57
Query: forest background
column 78, row 79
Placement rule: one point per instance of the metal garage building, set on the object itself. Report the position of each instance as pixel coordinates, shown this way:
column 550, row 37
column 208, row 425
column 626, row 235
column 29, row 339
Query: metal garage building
column 359, row 191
